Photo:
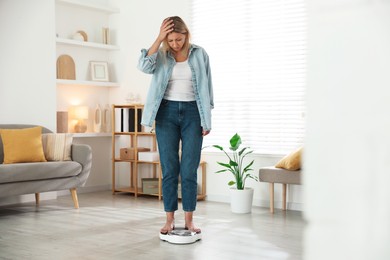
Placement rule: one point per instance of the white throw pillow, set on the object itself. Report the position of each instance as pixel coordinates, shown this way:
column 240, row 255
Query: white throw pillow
column 57, row 147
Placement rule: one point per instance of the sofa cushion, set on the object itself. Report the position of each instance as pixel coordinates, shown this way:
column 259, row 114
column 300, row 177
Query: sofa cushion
column 57, row 147
column 16, row 126
column 38, row 171
column 22, row 145
column 278, row 175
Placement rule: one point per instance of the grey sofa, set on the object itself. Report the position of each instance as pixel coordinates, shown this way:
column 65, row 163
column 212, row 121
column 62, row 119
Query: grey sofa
column 28, row 178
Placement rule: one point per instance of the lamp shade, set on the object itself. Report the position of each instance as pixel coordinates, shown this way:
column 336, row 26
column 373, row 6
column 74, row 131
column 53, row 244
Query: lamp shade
column 81, row 112
column 78, row 114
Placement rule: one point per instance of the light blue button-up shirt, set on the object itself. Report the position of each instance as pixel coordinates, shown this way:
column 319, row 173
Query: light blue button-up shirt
column 161, row 67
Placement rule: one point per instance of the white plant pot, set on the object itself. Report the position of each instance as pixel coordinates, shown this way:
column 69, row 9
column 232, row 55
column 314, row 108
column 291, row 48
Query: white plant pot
column 241, row 200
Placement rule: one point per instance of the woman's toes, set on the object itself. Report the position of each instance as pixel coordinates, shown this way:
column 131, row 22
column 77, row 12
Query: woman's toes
column 167, row 228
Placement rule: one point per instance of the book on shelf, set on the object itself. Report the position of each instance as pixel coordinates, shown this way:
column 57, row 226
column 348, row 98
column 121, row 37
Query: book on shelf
column 131, row 120
column 127, row 120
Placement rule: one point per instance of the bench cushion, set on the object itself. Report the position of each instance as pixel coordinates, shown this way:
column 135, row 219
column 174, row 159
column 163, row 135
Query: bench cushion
column 38, row 171
column 291, row 161
column 278, row 175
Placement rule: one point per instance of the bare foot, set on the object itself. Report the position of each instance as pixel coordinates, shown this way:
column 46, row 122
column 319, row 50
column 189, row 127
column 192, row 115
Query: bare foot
column 188, row 217
column 190, row 226
column 169, row 224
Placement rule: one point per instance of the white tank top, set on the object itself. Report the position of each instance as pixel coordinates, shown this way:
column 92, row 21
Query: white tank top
column 180, row 84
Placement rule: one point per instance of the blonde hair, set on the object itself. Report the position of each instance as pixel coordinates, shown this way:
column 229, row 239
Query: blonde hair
column 179, row 27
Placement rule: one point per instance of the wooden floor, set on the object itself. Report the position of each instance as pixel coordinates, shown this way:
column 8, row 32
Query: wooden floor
column 123, row 227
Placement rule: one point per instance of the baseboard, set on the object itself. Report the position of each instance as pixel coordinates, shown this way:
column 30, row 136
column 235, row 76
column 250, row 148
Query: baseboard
column 85, row 190
column 27, row 198
column 51, row 195
column 218, row 198
column 258, row 203
column 295, row 206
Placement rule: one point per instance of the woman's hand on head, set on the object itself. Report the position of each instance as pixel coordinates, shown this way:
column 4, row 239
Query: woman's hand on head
column 166, row 27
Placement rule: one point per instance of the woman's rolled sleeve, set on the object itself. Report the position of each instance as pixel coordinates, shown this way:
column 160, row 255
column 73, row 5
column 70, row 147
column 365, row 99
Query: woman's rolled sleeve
column 147, row 64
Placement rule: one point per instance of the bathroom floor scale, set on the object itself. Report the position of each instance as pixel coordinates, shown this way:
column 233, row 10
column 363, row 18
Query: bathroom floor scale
column 181, row 236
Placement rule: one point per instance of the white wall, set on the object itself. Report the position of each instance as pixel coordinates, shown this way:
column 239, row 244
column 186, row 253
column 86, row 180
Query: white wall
column 27, row 69
column 27, row 63
column 347, row 148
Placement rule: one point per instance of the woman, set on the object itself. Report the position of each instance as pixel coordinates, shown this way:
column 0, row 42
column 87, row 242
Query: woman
column 179, row 100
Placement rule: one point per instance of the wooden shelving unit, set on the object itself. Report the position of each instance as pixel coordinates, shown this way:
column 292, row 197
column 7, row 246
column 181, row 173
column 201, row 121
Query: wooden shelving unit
column 134, row 174
column 133, row 136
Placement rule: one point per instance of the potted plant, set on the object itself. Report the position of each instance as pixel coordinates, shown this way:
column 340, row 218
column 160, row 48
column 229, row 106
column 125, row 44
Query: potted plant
column 241, row 196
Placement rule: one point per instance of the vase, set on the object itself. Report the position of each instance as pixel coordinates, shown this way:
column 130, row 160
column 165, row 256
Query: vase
column 97, row 119
column 106, row 119
column 62, row 121
column 241, row 200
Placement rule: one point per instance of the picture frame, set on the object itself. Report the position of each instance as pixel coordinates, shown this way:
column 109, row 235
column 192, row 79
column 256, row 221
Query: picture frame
column 99, row 71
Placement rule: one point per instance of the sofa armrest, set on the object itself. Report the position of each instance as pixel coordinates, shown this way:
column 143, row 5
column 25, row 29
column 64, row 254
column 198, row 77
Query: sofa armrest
column 82, row 154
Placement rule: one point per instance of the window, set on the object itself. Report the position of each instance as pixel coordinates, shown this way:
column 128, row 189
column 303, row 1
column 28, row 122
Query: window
column 257, row 52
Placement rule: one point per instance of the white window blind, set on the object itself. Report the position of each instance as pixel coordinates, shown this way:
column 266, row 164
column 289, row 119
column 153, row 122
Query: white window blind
column 257, row 52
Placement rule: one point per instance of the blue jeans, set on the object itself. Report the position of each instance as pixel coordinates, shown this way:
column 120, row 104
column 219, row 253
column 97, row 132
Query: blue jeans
column 179, row 121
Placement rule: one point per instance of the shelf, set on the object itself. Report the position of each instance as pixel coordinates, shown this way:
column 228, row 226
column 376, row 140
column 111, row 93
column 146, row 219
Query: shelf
column 130, row 105
column 201, row 197
column 124, row 189
column 148, row 162
column 133, row 161
column 90, row 6
column 64, row 82
column 121, row 160
column 95, row 45
column 132, row 190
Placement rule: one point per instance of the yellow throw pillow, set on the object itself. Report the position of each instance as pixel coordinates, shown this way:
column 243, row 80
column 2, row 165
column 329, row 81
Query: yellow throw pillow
column 22, row 145
column 57, row 147
column 291, row 161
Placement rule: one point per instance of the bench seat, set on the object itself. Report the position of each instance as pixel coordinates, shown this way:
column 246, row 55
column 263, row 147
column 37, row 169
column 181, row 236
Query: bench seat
column 278, row 175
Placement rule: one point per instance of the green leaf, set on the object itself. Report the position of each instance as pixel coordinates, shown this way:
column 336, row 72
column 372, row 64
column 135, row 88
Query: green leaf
column 224, row 165
column 231, row 183
column 218, row 147
column 253, row 177
column 243, row 149
column 235, row 142
column 224, row 170
column 245, row 154
column 247, row 168
column 233, row 163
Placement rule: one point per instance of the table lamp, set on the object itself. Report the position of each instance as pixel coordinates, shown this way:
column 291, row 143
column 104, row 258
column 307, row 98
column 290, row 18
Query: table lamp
column 80, row 114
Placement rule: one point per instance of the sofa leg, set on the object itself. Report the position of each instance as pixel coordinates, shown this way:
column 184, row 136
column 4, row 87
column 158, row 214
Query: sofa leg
column 37, row 199
column 271, row 197
column 74, row 197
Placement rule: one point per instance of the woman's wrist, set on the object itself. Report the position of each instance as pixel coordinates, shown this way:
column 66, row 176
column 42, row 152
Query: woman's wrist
column 155, row 46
